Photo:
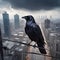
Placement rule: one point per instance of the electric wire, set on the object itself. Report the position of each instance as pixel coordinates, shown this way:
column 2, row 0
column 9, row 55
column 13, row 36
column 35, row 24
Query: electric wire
column 32, row 46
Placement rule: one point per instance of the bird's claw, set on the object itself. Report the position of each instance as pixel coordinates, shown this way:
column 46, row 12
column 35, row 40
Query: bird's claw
column 29, row 43
column 34, row 46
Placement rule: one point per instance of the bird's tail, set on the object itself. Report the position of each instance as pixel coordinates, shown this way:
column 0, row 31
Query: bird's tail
column 41, row 48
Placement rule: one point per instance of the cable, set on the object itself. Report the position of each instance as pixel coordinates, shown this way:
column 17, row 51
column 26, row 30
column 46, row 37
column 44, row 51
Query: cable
column 39, row 54
column 35, row 54
column 24, row 43
column 32, row 46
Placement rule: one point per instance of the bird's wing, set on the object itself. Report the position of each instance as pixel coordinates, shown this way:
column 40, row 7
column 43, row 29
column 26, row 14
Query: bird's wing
column 34, row 32
column 38, row 33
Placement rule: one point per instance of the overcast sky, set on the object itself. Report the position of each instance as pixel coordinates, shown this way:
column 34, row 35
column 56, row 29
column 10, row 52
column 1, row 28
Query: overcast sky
column 34, row 7
column 34, row 4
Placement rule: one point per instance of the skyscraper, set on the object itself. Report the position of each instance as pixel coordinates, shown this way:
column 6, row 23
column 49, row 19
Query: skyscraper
column 6, row 24
column 16, row 21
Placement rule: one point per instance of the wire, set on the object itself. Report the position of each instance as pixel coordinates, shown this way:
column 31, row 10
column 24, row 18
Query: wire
column 35, row 54
column 24, row 44
column 32, row 52
column 39, row 54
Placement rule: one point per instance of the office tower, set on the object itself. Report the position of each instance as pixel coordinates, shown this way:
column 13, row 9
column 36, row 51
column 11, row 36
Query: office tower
column 6, row 23
column 47, row 23
column 16, row 21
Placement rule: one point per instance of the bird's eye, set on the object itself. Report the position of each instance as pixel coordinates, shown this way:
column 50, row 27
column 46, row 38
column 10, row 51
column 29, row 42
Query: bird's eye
column 28, row 18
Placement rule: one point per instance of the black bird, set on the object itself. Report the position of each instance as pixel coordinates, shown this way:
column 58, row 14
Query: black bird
column 34, row 32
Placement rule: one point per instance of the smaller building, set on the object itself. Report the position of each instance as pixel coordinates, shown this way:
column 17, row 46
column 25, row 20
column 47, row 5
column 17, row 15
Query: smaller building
column 47, row 23
column 16, row 21
column 58, row 27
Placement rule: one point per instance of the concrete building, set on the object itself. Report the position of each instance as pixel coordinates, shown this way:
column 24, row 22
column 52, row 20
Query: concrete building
column 58, row 27
column 47, row 23
column 16, row 21
column 6, row 23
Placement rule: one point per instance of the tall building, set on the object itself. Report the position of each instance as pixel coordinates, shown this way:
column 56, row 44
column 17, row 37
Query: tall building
column 47, row 23
column 16, row 21
column 6, row 23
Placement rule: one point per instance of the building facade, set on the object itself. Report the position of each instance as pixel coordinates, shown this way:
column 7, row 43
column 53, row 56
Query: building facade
column 6, row 24
column 47, row 23
column 16, row 21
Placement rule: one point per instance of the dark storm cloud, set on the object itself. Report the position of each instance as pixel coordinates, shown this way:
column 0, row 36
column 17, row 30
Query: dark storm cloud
column 34, row 4
column 3, row 4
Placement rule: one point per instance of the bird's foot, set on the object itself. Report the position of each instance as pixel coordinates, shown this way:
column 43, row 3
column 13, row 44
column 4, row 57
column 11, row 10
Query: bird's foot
column 34, row 45
column 29, row 43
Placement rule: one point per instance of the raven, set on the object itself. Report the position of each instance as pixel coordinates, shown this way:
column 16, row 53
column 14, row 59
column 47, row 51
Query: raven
column 34, row 32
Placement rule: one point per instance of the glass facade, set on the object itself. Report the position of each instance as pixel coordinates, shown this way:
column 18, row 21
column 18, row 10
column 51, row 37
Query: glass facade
column 16, row 21
column 6, row 24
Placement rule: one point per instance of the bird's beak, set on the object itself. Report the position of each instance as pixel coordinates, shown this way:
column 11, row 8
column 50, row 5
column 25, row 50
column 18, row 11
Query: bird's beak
column 23, row 17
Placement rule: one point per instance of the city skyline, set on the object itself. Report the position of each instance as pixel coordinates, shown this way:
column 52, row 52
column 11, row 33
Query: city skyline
column 11, row 12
